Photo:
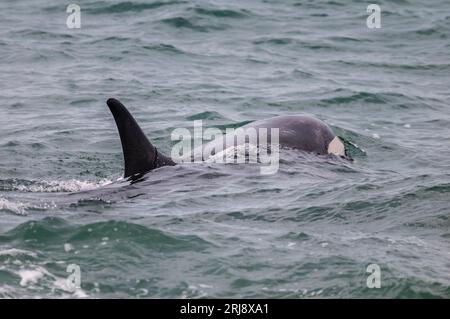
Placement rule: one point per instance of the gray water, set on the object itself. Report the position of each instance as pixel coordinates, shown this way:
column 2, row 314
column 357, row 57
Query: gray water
column 213, row 230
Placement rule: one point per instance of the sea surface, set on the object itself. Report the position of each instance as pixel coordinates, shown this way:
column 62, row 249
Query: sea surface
column 213, row 230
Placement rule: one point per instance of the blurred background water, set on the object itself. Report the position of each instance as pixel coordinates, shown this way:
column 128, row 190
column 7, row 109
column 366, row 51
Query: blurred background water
column 224, row 230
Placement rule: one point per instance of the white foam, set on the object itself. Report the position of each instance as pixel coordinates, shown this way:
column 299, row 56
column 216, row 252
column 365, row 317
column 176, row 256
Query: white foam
column 61, row 284
column 31, row 276
column 205, row 286
column 405, row 240
column 68, row 247
column 6, row 291
column 38, row 275
column 14, row 207
column 13, row 252
column 71, row 185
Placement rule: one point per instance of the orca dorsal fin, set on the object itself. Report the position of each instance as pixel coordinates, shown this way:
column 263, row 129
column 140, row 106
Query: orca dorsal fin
column 139, row 154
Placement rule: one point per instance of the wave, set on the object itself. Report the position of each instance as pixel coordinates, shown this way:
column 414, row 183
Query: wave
column 180, row 22
column 20, row 207
column 442, row 188
column 161, row 47
column 296, row 43
column 8, row 206
column 128, row 6
column 41, row 34
column 13, row 252
column 276, row 41
column 340, row 39
column 52, row 230
column 35, row 254
column 52, row 186
column 207, row 115
column 24, row 268
column 113, row 39
column 222, row 13
column 398, row 66
column 392, row 99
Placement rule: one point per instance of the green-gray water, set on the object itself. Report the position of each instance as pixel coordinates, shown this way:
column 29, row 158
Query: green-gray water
column 211, row 230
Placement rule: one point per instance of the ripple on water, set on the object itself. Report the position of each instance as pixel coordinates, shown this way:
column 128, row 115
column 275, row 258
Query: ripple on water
column 130, row 7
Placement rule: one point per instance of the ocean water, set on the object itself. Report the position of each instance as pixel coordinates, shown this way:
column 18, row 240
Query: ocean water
column 213, row 230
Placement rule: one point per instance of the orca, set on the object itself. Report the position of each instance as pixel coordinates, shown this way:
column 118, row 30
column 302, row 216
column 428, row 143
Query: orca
column 300, row 132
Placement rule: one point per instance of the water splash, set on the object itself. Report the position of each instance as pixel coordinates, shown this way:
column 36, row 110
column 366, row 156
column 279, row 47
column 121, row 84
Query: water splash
column 53, row 186
column 17, row 208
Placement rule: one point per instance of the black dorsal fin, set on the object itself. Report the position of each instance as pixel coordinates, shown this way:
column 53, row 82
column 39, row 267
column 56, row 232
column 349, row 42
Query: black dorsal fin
column 139, row 154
